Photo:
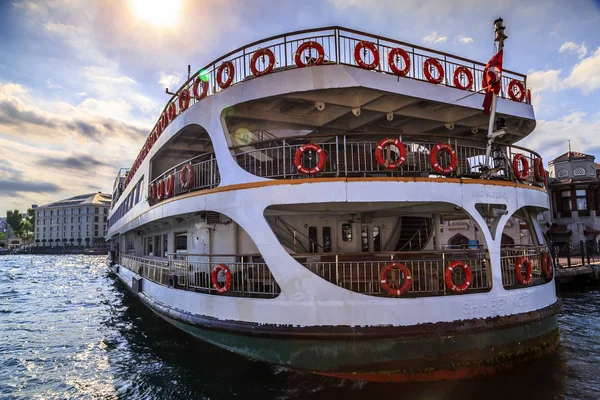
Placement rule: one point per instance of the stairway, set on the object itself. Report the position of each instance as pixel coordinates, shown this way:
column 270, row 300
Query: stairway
column 415, row 233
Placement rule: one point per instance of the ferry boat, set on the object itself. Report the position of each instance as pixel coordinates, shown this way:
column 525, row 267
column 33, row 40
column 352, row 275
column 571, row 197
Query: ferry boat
column 290, row 205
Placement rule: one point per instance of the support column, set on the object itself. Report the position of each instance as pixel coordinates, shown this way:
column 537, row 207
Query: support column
column 438, row 231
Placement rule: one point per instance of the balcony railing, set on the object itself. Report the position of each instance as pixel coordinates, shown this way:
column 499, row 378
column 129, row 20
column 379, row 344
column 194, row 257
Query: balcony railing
column 348, row 155
column 339, row 46
column 193, row 272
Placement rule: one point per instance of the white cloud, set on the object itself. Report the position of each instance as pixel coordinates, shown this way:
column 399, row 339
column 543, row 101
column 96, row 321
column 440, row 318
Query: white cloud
column 550, row 136
column 464, row 39
column 169, row 80
column 433, row 37
column 82, row 94
column 581, row 49
column 52, row 85
column 583, row 76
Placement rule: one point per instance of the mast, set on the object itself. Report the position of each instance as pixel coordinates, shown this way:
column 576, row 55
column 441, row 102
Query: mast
column 499, row 46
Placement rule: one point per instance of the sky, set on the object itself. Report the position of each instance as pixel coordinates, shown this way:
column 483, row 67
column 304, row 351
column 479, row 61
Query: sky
column 83, row 81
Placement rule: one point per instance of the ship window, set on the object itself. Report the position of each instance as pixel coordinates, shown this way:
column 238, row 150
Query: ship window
column 149, row 247
column 181, row 242
column 376, row 238
column 347, row 232
column 364, row 238
column 326, row 239
column 581, row 200
column 312, row 239
column 157, row 249
column 165, row 245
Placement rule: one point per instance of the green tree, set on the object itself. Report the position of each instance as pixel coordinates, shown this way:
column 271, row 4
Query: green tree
column 15, row 220
column 2, row 235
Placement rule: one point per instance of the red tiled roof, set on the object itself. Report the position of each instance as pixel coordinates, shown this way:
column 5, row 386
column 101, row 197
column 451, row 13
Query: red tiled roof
column 571, row 154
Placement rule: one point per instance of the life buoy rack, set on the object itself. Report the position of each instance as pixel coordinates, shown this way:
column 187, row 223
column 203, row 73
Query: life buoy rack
column 528, row 271
column 224, row 84
column 199, row 83
column 160, row 190
column 448, row 279
column 462, row 70
column 538, row 170
column 186, row 177
column 511, row 90
column 393, row 56
column 546, row 265
column 520, row 174
column 309, row 45
column 321, row 157
column 387, row 164
column 214, row 277
column 261, row 53
column 426, row 70
column 363, row 44
column 152, row 191
column 406, row 284
column 184, row 100
column 170, row 186
column 434, row 161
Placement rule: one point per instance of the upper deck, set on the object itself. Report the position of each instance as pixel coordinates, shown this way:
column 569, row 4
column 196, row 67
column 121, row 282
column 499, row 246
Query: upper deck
column 341, row 46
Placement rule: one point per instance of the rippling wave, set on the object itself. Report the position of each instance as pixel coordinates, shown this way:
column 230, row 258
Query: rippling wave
column 68, row 330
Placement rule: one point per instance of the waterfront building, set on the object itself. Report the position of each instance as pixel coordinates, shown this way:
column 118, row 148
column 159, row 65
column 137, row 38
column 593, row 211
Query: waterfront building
column 574, row 190
column 76, row 221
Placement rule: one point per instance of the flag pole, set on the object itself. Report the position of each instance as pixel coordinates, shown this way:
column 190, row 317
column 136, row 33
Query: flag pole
column 500, row 37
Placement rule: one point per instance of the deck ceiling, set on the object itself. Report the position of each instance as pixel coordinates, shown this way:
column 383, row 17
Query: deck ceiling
column 411, row 116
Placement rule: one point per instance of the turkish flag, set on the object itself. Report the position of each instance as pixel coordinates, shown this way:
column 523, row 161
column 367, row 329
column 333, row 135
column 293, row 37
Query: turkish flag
column 491, row 83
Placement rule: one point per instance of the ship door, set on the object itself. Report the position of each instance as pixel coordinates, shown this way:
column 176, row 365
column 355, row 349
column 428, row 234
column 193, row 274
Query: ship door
column 346, row 235
column 370, row 238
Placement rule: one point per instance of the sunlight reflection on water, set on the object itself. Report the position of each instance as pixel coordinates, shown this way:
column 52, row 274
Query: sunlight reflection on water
column 68, row 330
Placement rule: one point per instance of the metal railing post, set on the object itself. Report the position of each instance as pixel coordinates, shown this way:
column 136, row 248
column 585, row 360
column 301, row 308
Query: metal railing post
column 345, row 158
column 337, row 46
column 337, row 155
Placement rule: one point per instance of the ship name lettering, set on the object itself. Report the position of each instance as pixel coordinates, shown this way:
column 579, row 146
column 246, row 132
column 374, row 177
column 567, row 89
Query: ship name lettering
column 490, row 195
column 469, row 307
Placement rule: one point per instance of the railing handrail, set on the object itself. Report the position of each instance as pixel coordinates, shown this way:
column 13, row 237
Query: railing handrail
column 211, row 159
column 327, row 28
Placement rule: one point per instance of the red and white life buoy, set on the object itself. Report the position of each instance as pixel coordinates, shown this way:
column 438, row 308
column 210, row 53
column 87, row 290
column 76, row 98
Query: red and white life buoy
column 462, row 70
column 406, row 283
column 528, row 271
column 262, row 53
column 171, row 112
column 448, row 279
column 546, row 265
column 184, row 100
column 165, row 120
column 308, row 46
column 203, row 85
column 394, row 56
column 511, row 90
column 528, row 96
column 433, row 62
column 170, row 186
column 224, row 84
column 321, row 157
column 523, row 173
column 386, row 163
column 363, row 44
column 186, row 177
column 160, row 190
column 538, row 170
column 433, row 158
column 152, row 192
column 215, row 278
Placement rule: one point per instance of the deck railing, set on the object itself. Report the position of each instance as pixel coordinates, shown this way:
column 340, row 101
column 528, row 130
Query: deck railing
column 206, row 174
column 509, row 256
column 349, row 155
column 361, row 272
column 193, row 272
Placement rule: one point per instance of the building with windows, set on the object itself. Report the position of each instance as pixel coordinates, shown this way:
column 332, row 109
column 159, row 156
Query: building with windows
column 76, row 221
column 574, row 189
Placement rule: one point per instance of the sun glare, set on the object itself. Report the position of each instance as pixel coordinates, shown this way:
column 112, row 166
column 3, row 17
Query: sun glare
column 157, row 12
